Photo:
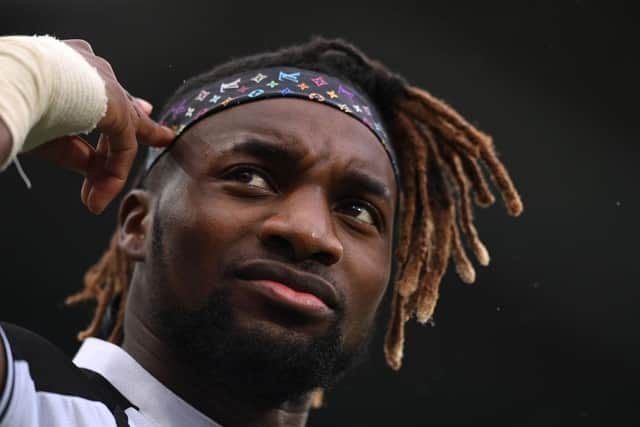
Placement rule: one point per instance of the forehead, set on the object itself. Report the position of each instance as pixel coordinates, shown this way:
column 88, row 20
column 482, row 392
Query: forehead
column 320, row 132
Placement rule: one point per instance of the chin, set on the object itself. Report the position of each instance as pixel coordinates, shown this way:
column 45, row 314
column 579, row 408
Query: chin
column 273, row 321
column 275, row 356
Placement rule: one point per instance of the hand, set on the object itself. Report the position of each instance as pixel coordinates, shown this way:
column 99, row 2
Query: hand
column 125, row 124
column 5, row 142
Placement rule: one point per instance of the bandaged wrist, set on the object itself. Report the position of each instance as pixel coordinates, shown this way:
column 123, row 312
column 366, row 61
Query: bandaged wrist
column 47, row 90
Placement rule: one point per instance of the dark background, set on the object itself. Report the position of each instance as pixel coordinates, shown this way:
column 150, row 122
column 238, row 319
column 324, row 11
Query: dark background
column 547, row 336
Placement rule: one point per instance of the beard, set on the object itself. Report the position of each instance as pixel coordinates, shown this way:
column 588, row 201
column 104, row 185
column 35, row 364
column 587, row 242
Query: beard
column 273, row 368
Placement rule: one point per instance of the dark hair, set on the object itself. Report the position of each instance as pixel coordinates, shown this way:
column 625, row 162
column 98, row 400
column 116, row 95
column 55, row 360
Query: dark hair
column 443, row 160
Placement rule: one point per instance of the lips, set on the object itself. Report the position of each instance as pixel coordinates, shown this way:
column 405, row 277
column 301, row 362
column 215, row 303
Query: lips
column 301, row 290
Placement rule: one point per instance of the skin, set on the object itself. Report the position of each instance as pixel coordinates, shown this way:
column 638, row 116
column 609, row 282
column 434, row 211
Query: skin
column 5, row 142
column 303, row 210
column 106, row 167
column 124, row 125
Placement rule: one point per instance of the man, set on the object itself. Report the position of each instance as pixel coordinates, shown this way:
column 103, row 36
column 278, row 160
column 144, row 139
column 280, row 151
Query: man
column 253, row 252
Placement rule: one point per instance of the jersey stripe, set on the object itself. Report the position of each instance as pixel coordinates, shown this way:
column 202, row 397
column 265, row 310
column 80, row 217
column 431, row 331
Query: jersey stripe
column 7, row 393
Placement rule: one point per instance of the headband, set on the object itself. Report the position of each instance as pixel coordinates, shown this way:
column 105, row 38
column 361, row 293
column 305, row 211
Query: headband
column 282, row 82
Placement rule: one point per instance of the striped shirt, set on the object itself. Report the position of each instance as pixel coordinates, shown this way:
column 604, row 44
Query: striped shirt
column 103, row 386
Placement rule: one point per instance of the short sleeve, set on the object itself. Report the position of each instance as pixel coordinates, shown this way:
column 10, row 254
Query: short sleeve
column 43, row 387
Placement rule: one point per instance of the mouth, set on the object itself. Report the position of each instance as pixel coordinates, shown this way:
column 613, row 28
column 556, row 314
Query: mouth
column 303, row 292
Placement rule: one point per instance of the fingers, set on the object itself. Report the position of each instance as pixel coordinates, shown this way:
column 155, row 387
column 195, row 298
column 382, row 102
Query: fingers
column 125, row 124
column 108, row 170
column 146, row 107
column 124, row 110
column 121, row 105
column 151, row 133
column 101, row 151
column 148, row 131
column 71, row 152
column 80, row 45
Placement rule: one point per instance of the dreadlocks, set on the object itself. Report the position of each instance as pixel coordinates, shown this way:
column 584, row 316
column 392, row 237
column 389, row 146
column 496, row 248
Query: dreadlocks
column 444, row 160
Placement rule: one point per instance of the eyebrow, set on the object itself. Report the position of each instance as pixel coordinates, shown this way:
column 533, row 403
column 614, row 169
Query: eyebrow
column 367, row 183
column 280, row 152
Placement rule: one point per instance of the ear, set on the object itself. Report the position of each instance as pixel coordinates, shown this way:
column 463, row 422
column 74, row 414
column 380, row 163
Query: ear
column 134, row 220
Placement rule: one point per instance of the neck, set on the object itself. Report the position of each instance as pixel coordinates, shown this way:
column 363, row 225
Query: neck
column 227, row 404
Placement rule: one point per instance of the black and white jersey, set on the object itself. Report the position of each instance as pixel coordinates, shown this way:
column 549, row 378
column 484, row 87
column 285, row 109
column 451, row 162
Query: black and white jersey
column 103, row 386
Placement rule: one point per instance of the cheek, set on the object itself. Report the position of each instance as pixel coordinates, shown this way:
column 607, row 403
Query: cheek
column 200, row 231
column 368, row 277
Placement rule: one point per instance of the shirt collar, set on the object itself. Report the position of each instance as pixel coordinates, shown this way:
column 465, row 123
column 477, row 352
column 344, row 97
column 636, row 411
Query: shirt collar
column 153, row 399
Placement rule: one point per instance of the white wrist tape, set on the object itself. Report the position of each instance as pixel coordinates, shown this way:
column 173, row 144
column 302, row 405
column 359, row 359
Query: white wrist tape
column 47, row 90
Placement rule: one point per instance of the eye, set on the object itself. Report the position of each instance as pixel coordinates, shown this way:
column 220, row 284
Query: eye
column 360, row 212
column 249, row 176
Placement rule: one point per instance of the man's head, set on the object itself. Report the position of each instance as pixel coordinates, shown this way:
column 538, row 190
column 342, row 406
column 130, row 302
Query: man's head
column 280, row 190
column 294, row 191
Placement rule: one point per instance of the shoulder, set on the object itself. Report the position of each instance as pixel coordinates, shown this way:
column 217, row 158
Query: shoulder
column 41, row 378
column 50, row 368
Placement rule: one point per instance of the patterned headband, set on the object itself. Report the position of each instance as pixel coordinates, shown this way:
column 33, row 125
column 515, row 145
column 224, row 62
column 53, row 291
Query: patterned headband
column 272, row 83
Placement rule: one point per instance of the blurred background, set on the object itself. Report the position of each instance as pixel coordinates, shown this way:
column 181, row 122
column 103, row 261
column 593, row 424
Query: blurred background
column 548, row 334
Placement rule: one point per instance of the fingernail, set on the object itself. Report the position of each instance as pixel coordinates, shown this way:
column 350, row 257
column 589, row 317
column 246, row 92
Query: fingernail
column 84, row 191
column 90, row 203
column 146, row 105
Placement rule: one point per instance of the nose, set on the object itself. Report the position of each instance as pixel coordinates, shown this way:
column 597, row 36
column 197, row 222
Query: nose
column 303, row 227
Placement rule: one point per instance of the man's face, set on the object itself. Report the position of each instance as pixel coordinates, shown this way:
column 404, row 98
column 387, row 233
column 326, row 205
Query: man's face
column 283, row 209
